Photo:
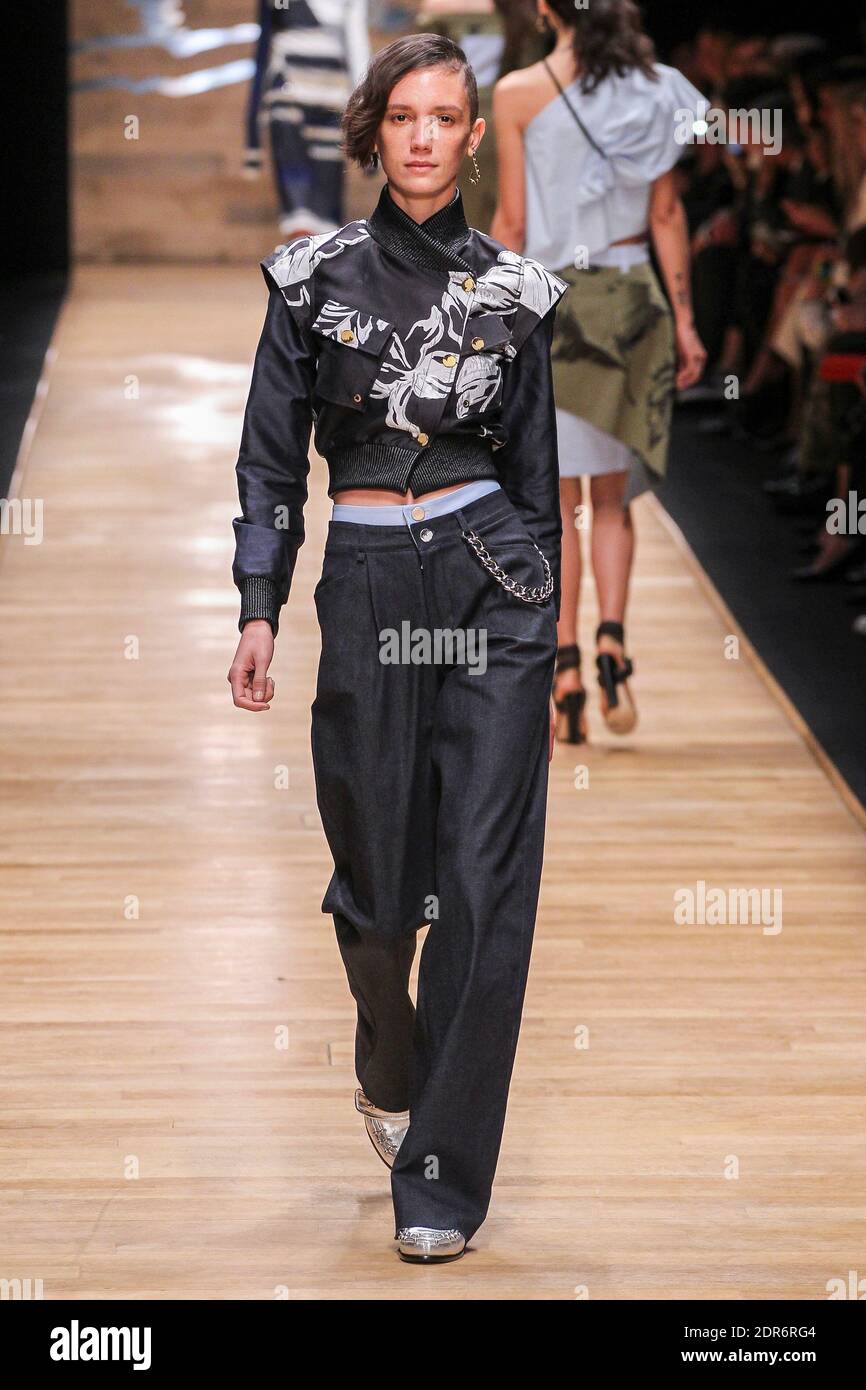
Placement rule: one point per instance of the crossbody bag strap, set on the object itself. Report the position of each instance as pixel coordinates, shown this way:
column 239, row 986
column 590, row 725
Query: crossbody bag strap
column 595, row 146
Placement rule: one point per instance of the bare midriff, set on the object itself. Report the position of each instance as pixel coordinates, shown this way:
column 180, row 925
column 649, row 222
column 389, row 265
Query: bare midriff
column 631, row 240
column 377, row 496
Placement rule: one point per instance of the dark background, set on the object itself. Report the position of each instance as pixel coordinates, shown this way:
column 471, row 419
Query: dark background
column 34, row 177
column 671, row 21
column 35, row 143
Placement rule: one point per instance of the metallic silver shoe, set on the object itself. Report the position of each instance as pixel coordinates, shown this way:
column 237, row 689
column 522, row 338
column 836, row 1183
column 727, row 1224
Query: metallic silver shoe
column 386, row 1128
column 419, row 1245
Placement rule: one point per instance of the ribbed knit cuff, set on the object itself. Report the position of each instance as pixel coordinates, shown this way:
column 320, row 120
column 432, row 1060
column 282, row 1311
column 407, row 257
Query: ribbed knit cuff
column 259, row 600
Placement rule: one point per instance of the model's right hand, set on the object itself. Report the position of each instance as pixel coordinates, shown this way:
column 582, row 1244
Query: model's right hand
column 252, row 687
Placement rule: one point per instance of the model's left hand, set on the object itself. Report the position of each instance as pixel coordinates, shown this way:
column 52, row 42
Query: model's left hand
column 691, row 354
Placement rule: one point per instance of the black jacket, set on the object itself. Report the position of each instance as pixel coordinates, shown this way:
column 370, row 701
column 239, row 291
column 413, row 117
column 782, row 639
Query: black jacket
column 421, row 352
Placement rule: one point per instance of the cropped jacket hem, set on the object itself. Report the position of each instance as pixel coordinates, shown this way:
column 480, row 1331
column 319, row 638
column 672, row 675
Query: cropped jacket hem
column 418, row 355
column 453, row 458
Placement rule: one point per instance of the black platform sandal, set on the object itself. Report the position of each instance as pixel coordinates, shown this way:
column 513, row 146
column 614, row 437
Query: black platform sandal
column 570, row 707
column 620, row 715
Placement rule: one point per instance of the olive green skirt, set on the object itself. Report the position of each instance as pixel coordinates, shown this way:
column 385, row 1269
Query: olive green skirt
column 614, row 365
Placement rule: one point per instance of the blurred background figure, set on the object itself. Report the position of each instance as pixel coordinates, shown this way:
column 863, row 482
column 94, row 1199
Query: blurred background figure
column 587, row 141
column 497, row 36
column 309, row 57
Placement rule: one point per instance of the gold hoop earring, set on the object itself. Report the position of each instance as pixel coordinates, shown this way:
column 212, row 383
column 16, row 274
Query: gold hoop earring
column 477, row 178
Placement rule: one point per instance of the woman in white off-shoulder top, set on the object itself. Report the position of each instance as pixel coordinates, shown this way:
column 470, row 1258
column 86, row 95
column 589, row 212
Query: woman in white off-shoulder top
column 587, row 141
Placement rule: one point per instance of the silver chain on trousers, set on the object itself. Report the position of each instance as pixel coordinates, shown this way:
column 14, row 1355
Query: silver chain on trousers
column 529, row 593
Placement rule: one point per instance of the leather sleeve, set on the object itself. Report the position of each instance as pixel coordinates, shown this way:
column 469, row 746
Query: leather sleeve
column 273, row 464
column 529, row 463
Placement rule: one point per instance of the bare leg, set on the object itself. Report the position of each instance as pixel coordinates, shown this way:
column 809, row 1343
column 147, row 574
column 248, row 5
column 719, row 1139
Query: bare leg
column 612, row 546
column 570, row 497
column 612, row 555
column 732, row 352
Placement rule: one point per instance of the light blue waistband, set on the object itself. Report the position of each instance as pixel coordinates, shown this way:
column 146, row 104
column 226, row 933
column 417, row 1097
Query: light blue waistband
column 410, row 512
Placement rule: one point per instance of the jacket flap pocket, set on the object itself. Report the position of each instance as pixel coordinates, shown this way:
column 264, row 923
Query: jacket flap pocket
column 353, row 327
column 486, row 333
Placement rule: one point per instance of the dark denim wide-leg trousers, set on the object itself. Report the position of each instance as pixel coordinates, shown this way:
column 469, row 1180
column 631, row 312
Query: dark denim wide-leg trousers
column 431, row 766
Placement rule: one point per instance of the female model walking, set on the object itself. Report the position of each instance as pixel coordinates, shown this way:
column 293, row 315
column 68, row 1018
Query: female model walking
column 421, row 350
column 587, row 140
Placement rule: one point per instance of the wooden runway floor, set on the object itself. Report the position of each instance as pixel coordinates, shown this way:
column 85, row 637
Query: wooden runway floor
column 687, row 1114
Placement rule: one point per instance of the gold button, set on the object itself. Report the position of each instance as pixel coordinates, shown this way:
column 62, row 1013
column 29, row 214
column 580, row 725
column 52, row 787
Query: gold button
column 469, row 283
column 347, row 335
column 449, row 360
column 477, row 343
column 356, row 397
column 423, row 438
column 418, row 513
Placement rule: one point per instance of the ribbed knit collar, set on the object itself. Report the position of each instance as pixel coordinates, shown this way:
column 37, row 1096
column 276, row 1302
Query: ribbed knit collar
column 433, row 244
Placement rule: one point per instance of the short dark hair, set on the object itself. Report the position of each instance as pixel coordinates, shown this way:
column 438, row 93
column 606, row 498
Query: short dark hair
column 367, row 104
